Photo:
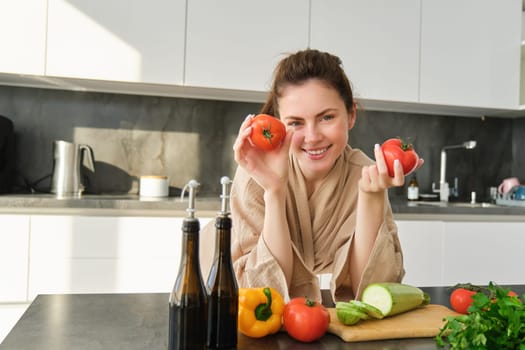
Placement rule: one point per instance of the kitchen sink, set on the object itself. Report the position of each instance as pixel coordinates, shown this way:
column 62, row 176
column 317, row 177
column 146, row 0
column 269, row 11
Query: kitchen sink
column 452, row 204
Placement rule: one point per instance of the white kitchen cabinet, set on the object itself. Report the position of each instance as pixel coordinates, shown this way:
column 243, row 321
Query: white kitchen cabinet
column 422, row 246
column 378, row 42
column 9, row 315
column 470, row 53
column 522, row 62
column 86, row 254
column 14, row 242
column 235, row 44
column 137, row 41
column 444, row 253
column 479, row 252
column 23, row 36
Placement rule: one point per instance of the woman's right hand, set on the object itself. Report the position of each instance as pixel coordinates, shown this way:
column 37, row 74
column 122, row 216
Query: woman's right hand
column 268, row 168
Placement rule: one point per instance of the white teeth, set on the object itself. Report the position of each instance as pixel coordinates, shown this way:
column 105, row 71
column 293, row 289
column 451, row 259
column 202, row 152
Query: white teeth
column 316, row 152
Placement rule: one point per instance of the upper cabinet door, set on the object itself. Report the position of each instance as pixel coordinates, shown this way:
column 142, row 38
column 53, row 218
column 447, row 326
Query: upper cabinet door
column 23, row 36
column 235, row 44
column 470, row 53
column 119, row 40
column 378, row 42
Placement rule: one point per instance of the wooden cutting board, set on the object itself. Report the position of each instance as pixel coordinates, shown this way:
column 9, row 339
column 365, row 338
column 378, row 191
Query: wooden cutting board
column 423, row 322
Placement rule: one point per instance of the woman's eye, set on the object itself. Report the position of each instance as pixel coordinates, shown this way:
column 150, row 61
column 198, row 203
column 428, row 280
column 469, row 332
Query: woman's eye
column 328, row 117
column 294, row 123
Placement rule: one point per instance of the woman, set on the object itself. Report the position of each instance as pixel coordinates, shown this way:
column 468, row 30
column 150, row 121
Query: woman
column 314, row 205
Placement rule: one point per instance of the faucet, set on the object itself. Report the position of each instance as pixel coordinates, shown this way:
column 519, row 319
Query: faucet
column 443, row 189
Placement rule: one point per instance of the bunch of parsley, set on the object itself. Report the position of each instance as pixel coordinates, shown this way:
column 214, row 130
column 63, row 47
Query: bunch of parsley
column 495, row 321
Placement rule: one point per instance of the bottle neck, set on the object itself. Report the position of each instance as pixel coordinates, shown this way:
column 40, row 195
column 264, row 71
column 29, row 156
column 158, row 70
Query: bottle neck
column 223, row 226
column 190, row 241
column 189, row 284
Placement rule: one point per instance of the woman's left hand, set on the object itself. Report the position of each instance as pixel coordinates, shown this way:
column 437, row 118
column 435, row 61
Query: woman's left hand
column 375, row 178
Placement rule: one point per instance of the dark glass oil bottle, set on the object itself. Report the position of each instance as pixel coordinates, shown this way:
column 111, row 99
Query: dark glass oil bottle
column 222, row 286
column 188, row 300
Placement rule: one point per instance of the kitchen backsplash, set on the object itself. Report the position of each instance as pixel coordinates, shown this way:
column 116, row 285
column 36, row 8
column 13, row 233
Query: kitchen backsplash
column 187, row 138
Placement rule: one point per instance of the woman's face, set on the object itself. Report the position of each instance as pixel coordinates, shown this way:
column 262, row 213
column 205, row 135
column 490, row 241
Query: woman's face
column 320, row 121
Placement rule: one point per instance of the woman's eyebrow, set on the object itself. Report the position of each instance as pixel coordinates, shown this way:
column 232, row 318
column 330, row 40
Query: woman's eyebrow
column 330, row 109
column 323, row 112
column 293, row 117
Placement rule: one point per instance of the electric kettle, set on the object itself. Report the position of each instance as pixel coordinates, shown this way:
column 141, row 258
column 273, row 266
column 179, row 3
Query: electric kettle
column 68, row 158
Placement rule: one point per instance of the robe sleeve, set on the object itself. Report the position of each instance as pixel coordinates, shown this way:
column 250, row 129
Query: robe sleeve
column 385, row 263
column 253, row 263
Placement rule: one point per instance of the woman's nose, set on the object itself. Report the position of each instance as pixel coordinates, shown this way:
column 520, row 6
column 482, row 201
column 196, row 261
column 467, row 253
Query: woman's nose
column 312, row 133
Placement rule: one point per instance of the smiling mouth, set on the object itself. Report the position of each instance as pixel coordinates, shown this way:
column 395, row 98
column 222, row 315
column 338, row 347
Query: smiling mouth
column 317, row 152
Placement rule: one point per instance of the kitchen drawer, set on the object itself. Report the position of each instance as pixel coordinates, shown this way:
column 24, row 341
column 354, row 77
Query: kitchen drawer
column 9, row 315
column 483, row 252
column 128, row 275
column 14, row 238
column 85, row 254
column 103, row 237
column 422, row 245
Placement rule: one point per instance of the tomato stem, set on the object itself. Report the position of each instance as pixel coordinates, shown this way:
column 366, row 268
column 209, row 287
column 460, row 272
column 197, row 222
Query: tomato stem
column 405, row 146
column 267, row 133
column 309, row 302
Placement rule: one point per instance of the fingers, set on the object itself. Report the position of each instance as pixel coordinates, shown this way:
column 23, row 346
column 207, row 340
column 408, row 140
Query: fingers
column 418, row 165
column 246, row 128
column 371, row 181
column 365, row 177
column 375, row 178
column 287, row 141
column 247, row 121
column 239, row 145
column 380, row 160
column 399, row 176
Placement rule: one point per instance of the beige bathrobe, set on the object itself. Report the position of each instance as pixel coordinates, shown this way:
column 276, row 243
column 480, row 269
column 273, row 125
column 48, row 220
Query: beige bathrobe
column 321, row 229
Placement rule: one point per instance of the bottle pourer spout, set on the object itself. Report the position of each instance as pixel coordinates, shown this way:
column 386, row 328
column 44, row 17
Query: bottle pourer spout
column 192, row 187
column 225, row 195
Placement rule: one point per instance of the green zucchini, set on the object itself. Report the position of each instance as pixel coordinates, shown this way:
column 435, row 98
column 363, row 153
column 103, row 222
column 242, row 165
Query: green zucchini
column 349, row 315
column 370, row 310
column 394, row 298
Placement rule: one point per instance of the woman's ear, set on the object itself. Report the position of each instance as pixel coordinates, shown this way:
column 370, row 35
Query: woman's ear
column 352, row 115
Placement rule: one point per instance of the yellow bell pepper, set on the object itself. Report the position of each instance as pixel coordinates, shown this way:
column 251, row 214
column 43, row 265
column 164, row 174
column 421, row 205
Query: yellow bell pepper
column 260, row 311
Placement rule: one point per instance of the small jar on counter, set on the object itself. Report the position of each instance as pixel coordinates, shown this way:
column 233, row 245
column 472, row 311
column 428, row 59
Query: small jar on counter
column 413, row 189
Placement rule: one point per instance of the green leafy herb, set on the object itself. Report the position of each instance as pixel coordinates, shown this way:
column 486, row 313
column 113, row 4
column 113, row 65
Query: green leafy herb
column 495, row 321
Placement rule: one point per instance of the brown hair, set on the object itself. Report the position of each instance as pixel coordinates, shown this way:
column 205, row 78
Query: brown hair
column 301, row 66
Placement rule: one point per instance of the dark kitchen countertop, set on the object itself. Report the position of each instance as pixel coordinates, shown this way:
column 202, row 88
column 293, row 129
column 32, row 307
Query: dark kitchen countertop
column 140, row 321
column 456, row 211
column 107, row 204
column 133, row 205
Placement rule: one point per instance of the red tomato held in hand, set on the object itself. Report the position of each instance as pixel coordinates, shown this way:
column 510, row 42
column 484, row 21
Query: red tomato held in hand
column 267, row 132
column 397, row 149
column 305, row 320
column 461, row 299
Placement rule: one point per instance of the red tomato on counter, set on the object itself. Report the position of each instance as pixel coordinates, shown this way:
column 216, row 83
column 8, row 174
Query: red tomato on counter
column 398, row 149
column 461, row 299
column 267, row 132
column 511, row 293
column 305, row 320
